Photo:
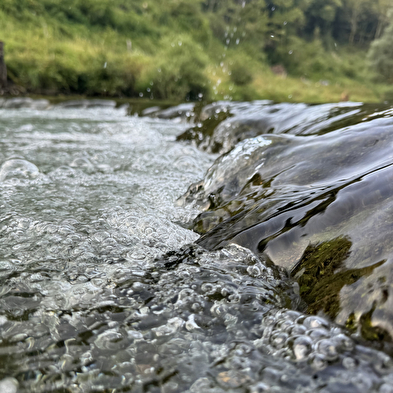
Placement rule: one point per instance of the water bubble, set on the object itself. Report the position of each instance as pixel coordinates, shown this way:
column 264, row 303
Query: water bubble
column 173, row 325
column 327, row 348
column 386, row 388
column 110, row 340
column 278, row 339
column 8, row 385
column 302, row 347
column 18, row 168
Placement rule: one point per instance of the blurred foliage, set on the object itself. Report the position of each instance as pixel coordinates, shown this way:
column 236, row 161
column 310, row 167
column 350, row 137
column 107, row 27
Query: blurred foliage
column 381, row 56
column 131, row 47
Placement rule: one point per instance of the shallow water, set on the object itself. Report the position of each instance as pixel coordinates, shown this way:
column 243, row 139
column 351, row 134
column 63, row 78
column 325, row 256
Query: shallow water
column 103, row 289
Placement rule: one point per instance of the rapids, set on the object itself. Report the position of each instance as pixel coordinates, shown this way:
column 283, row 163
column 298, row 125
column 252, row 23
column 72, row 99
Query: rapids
column 104, row 287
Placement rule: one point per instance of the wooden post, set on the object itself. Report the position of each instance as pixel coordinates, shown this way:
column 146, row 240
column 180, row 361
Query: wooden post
column 3, row 68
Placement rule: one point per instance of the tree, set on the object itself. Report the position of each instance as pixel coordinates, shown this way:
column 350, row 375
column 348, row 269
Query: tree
column 382, row 8
column 356, row 8
column 321, row 15
column 380, row 55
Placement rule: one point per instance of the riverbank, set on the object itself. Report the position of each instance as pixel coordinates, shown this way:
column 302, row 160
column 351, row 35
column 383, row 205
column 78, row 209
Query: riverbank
column 67, row 54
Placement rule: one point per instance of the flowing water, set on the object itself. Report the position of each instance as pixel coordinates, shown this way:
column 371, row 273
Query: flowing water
column 104, row 287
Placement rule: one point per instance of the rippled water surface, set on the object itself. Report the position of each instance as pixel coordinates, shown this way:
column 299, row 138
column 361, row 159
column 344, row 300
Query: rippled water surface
column 103, row 289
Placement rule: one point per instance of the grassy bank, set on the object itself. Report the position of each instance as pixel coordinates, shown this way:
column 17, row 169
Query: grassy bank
column 161, row 51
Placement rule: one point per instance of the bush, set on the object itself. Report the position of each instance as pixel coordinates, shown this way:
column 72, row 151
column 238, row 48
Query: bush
column 240, row 74
column 179, row 74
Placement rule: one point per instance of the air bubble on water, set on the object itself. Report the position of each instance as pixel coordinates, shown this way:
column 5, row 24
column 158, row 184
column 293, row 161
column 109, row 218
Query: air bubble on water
column 9, row 385
column 18, row 168
column 302, row 347
column 191, row 325
column 173, row 325
column 327, row 349
column 386, row 388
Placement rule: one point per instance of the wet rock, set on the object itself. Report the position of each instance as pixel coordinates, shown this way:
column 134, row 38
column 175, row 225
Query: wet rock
column 320, row 203
column 224, row 124
column 101, row 104
column 151, row 111
column 72, row 104
column 24, row 102
column 182, row 111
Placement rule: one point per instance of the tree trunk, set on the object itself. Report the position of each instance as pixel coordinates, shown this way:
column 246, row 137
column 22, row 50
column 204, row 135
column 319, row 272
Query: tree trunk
column 354, row 25
column 3, row 68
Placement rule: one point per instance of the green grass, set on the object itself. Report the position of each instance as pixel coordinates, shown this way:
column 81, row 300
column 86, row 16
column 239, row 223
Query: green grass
column 179, row 59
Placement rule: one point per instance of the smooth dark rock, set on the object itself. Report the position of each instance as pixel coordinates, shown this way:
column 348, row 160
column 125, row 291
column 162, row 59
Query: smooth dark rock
column 312, row 197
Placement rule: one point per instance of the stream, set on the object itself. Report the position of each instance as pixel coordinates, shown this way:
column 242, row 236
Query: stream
column 231, row 247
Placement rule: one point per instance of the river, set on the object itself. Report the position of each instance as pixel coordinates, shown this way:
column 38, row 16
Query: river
column 173, row 252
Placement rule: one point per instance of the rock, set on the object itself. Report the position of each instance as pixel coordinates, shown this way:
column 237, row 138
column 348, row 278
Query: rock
column 151, row 111
column 25, row 102
column 320, row 204
column 182, row 111
column 225, row 124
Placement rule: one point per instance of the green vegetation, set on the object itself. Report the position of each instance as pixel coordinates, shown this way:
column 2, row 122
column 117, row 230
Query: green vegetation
column 321, row 274
column 188, row 49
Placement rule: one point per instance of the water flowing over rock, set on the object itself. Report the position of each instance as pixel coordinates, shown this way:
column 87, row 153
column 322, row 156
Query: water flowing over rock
column 314, row 198
column 104, row 289
column 224, row 124
column 24, row 102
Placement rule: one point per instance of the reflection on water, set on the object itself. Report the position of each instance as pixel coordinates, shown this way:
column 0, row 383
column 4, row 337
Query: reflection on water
column 102, row 289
